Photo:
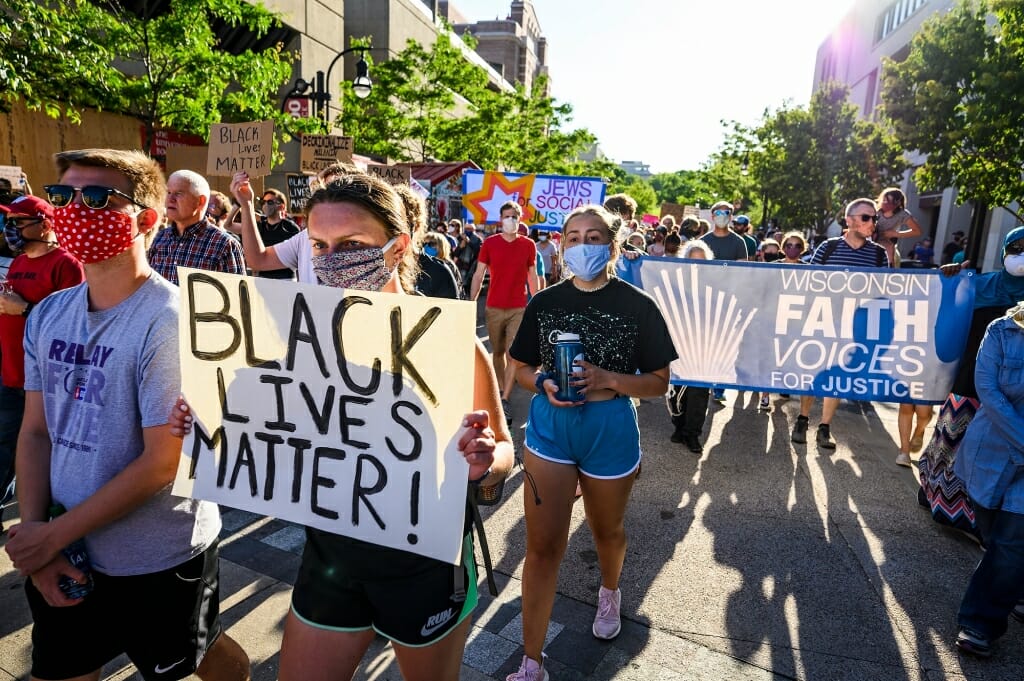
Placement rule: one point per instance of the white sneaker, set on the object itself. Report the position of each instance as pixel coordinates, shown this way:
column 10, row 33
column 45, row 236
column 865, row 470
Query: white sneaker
column 607, row 623
column 530, row 670
column 903, row 459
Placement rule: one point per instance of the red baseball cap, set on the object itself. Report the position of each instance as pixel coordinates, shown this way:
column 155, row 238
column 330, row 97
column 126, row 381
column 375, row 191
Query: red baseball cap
column 29, row 205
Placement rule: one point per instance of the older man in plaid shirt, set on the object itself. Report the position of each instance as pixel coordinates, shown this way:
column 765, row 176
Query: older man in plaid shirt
column 189, row 240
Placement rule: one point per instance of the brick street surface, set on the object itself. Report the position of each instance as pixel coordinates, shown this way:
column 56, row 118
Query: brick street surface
column 759, row 559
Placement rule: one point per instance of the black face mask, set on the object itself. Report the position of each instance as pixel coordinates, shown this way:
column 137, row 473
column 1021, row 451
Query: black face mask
column 772, row 257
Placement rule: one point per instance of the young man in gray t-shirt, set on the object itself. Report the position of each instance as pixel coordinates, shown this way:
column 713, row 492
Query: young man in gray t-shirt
column 102, row 375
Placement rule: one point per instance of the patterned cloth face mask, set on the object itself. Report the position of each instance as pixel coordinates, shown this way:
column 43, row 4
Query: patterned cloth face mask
column 93, row 234
column 362, row 269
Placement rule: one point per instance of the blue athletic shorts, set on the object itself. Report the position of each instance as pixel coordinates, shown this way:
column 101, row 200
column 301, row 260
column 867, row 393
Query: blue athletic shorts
column 601, row 439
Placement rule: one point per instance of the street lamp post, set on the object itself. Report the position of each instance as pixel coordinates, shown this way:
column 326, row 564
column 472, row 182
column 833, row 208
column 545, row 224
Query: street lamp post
column 318, row 92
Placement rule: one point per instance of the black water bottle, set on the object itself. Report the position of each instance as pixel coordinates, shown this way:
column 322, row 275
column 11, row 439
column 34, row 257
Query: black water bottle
column 77, row 555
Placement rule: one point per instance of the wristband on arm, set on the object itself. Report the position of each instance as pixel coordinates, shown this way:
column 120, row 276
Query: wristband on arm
column 541, row 377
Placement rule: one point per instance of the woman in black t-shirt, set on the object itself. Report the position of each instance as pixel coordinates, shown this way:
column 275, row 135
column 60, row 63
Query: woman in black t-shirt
column 627, row 351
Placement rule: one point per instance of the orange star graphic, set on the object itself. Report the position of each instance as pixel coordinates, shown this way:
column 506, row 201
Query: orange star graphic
column 492, row 181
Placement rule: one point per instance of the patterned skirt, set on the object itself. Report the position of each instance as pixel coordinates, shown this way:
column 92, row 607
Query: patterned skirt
column 941, row 490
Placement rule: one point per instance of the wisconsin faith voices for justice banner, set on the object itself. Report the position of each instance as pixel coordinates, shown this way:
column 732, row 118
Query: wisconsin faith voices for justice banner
column 859, row 334
column 328, row 408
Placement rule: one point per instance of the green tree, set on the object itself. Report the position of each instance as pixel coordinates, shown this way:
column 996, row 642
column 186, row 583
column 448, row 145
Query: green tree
column 162, row 65
column 433, row 104
column 956, row 99
column 409, row 113
column 807, row 163
column 49, row 60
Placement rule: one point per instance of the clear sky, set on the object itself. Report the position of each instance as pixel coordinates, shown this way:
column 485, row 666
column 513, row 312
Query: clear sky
column 654, row 78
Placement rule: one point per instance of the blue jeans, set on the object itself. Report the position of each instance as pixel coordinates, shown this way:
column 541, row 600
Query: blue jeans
column 998, row 581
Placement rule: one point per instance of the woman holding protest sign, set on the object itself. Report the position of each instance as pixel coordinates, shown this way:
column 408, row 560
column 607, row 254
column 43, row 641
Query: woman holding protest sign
column 349, row 590
column 582, row 422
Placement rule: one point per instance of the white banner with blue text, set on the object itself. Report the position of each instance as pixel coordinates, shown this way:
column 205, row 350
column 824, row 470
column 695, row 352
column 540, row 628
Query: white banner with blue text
column 861, row 334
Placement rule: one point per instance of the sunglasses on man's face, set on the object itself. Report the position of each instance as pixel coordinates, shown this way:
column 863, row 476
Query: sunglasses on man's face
column 864, row 217
column 721, row 212
column 93, row 196
column 1016, row 248
column 271, row 202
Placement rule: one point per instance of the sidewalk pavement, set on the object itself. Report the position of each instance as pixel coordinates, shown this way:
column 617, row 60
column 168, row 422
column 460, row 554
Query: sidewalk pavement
column 758, row 560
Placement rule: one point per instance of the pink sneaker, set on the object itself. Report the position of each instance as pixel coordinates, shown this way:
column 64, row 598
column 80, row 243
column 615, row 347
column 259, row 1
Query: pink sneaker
column 530, row 670
column 607, row 623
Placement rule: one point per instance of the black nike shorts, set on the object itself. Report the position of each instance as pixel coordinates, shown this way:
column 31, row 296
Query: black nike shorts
column 164, row 622
column 350, row 585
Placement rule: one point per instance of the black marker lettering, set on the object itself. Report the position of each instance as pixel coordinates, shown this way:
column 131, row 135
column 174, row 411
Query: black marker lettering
column 222, row 317
column 320, row 481
column 301, row 316
column 417, row 440
column 223, row 395
column 345, row 421
column 299, row 447
column 271, row 441
column 400, row 350
column 321, row 417
column 360, row 492
column 339, row 343
column 245, row 458
column 280, row 423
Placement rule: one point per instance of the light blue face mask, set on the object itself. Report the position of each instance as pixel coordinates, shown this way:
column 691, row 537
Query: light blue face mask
column 431, row 251
column 587, row 261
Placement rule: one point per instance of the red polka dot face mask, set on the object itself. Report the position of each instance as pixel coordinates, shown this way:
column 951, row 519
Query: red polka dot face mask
column 92, row 234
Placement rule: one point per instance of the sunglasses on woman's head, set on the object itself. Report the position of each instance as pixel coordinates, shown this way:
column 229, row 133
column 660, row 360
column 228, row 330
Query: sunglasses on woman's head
column 93, row 196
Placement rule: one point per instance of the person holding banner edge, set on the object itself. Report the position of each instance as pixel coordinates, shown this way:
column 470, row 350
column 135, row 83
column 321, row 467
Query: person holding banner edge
column 348, row 590
column 596, row 440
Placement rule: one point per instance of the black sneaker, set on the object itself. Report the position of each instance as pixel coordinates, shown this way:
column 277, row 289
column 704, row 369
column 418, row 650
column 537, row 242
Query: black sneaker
column 824, row 438
column 1018, row 612
column 799, row 430
column 677, row 437
column 973, row 643
column 693, row 444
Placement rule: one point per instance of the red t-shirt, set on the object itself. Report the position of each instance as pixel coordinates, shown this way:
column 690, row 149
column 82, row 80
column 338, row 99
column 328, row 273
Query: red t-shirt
column 508, row 262
column 33, row 279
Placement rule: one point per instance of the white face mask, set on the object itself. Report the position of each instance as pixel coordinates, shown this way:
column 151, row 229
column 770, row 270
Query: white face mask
column 509, row 225
column 1014, row 265
column 542, row 237
column 722, row 220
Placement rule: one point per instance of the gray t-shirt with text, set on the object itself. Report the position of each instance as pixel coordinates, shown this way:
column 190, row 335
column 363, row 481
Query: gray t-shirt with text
column 104, row 377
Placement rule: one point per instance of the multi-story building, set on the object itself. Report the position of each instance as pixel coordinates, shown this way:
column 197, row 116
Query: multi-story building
column 637, row 168
column 852, row 54
column 514, row 46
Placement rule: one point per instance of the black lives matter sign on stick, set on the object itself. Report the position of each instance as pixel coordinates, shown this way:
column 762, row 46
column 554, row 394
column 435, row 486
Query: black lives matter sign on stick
column 238, row 147
column 328, row 407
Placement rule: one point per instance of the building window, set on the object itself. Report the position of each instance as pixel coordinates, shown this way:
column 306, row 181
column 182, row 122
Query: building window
column 895, row 15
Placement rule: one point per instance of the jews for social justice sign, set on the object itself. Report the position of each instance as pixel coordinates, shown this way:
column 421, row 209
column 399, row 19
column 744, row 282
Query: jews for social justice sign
column 545, row 199
column 236, row 147
column 859, row 334
column 328, row 407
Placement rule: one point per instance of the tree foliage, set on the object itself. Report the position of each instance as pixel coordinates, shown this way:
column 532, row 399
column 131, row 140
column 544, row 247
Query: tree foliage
column 807, row 163
column 955, row 98
column 164, row 68
column 433, row 104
